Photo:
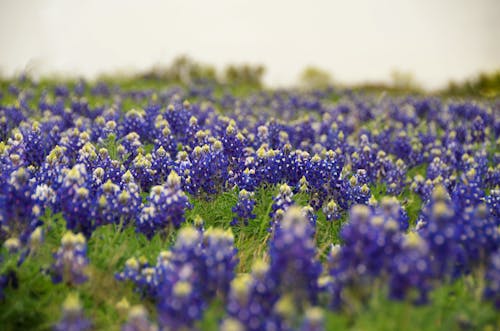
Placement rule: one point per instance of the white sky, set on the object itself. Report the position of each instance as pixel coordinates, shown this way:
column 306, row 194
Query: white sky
column 355, row 40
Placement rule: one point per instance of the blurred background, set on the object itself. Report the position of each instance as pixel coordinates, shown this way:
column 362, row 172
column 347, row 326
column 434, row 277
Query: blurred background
column 425, row 43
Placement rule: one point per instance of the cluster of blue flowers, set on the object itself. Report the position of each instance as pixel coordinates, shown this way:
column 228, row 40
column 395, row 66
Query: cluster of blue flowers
column 199, row 267
column 101, row 163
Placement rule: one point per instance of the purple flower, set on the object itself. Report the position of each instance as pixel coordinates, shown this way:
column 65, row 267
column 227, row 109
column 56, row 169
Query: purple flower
column 165, row 207
column 293, row 257
column 252, row 297
column 72, row 318
column 280, row 204
column 492, row 290
column 70, row 260
column 138, row 320
column 244, row 208
column 411, row 270
column 220, row 261
column 314, row 320
column 76, row 201
column 370, row 242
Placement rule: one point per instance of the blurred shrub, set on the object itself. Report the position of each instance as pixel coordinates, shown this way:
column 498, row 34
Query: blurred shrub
column 313, row 77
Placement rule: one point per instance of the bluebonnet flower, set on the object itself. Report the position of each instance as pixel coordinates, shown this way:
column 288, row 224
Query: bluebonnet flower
column 411, row 270
column 437, row 168
column 244, row 208
column 104, row 130
column 129, row 147
column 369, row 244
column 51, row 171
column 180, row 295
column 178, row 115
column 220, row 261
column 10, row 116
column 402, row 147
column 262, row 136
column 134, row 121
column 391, row 208
column 247, row 180
column 365, row 156
column 209, row 169
column 165, row 138
column 165, row 207
column 283, row 315
column 13, row 245
column 115, row 206
column 162, row 164
column 73, row 318
column 87, row 156
column 442, row 232
column 76, row 201
column 268, row 166
column 231, row 324
column 352, row 193
column 199, row 224
column 468, row 192
column 493, row 203
column 182, row 167
column 479, row 234
column 314, row 320
column 331, row 210
column 492, row 290
column 138, row 320
column 19, row 214
column 492, row 177
column 70, row 260
column 310, row 215
column 395, row 178
column 145, row 277
column 280, row 204
column 194, row 133
column 323, row 171
column 143, row 172
column 233, row 142
column 131, row 272
column 477, row 130
column 304, row 185
column 73, row 140
column 183, row 307
column 292, row 251
column 16, row 149
column 252, row 297
column 36, row 147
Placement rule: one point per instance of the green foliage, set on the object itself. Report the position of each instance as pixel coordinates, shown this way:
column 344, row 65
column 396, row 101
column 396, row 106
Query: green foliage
column 483, row 85
column 313, row 77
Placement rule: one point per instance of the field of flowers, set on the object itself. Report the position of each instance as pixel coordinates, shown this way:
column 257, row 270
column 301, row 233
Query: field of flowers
column 145, row 206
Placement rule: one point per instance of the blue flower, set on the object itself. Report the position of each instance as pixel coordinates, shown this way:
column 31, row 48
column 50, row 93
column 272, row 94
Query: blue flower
column 280, row 204
column 370, row 242
column 220, row 261
column 244, row 208
column 70, row 260
column 411, row 270
column 293, row 263
column 76, row 201
column 252, row 297
column 314, row 320
column 138, row 320
column 73, row 318
column 492, row 290
column 165, row 207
